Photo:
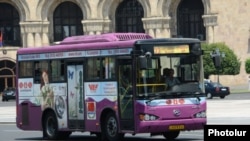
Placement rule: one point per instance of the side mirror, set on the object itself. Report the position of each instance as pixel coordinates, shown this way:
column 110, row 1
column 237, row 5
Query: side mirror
column 145, row 62
column 196, row 49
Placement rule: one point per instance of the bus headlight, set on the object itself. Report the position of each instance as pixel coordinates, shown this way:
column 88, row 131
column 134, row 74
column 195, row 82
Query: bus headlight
column 201, row 114
column 147, row 117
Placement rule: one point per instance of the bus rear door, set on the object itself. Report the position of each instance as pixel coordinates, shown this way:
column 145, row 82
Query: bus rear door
column 75, row 95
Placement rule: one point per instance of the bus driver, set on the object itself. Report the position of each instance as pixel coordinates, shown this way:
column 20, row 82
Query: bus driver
column 170, row 79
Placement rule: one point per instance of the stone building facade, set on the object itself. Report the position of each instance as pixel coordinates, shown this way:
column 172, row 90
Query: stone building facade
column 222, row 20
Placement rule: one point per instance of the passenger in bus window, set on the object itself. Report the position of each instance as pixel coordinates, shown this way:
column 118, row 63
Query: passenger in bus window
column 46, row 91
column 164, row 74
column 170, row 79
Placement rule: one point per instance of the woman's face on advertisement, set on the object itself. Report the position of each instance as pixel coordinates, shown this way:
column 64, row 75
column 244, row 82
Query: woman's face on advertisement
column 45, row 77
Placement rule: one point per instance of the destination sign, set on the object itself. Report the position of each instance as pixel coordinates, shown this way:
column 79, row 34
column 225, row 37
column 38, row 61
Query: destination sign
column 176, row 49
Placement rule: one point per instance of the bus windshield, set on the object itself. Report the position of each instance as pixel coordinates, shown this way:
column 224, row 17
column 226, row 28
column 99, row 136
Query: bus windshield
column 169, row 76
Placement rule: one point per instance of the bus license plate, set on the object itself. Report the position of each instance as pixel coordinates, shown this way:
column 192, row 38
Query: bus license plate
column 176, row 127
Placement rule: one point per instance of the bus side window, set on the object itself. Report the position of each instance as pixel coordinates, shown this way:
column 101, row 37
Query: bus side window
column 93, row 68
column 39, row 67
column 100, row 68
column 37, row 75
column 108, row 68
column 25, row 69
column 57, row 70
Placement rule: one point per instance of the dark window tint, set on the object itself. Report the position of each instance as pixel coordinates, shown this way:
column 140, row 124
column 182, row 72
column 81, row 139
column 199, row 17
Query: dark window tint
column 129, row 16
column 25, row 69
column 100, row 68
column 57, row 70
column 190, row 22
column 9, row 25
column 67, row 21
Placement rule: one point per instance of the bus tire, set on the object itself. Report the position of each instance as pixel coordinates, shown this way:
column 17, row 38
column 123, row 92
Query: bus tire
column 111, row 128
column 50, row 128
column 171, row 135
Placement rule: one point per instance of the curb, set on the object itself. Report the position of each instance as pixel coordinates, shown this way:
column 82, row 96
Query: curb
column 9, row 122
column 240, row 92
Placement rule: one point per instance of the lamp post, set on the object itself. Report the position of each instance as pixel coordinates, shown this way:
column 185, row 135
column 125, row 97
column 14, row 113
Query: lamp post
column 217, row 59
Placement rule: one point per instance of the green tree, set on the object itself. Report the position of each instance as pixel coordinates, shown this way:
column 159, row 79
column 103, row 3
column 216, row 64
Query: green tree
column 230, row 64
column 247, row 66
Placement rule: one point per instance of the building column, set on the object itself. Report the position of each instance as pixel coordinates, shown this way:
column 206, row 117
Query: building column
column 96, row 27
column 151, row 32
column 35, row 34
column 38, row 40
column 157, row 27
column 30, row 40
column 210, row 21
column 45, row 33
column 45, row 39
column 24, row 38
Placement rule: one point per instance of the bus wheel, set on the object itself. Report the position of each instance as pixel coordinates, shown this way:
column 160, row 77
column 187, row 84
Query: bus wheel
column 50, row 128
column 111, row 128
column 171, row 135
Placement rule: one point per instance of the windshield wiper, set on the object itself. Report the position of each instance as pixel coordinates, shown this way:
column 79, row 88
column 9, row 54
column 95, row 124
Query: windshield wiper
column 151, row 96
column 151, row 99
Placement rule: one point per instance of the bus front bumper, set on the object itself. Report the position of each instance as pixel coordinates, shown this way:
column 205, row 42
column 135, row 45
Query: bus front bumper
column 170, row 125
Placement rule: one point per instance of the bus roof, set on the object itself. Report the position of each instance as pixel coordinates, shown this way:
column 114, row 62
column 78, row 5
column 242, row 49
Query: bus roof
column 106, row 37
column 89, row 42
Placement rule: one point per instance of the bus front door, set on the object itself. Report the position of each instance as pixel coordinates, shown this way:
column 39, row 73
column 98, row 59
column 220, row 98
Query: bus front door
column 126, row 106
column 75, row 96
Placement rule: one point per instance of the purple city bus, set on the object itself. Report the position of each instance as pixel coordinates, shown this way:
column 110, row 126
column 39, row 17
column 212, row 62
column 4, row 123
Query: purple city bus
column 111, row 85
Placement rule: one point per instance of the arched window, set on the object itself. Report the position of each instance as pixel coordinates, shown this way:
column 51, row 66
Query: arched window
column 7, row 74
column 128, row 17
column 9, row 25
column 190, row 22
column 67, row 21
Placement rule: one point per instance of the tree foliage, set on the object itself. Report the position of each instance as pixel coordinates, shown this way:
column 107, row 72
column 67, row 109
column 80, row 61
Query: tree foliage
column 247, row 66
column 230, row 64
